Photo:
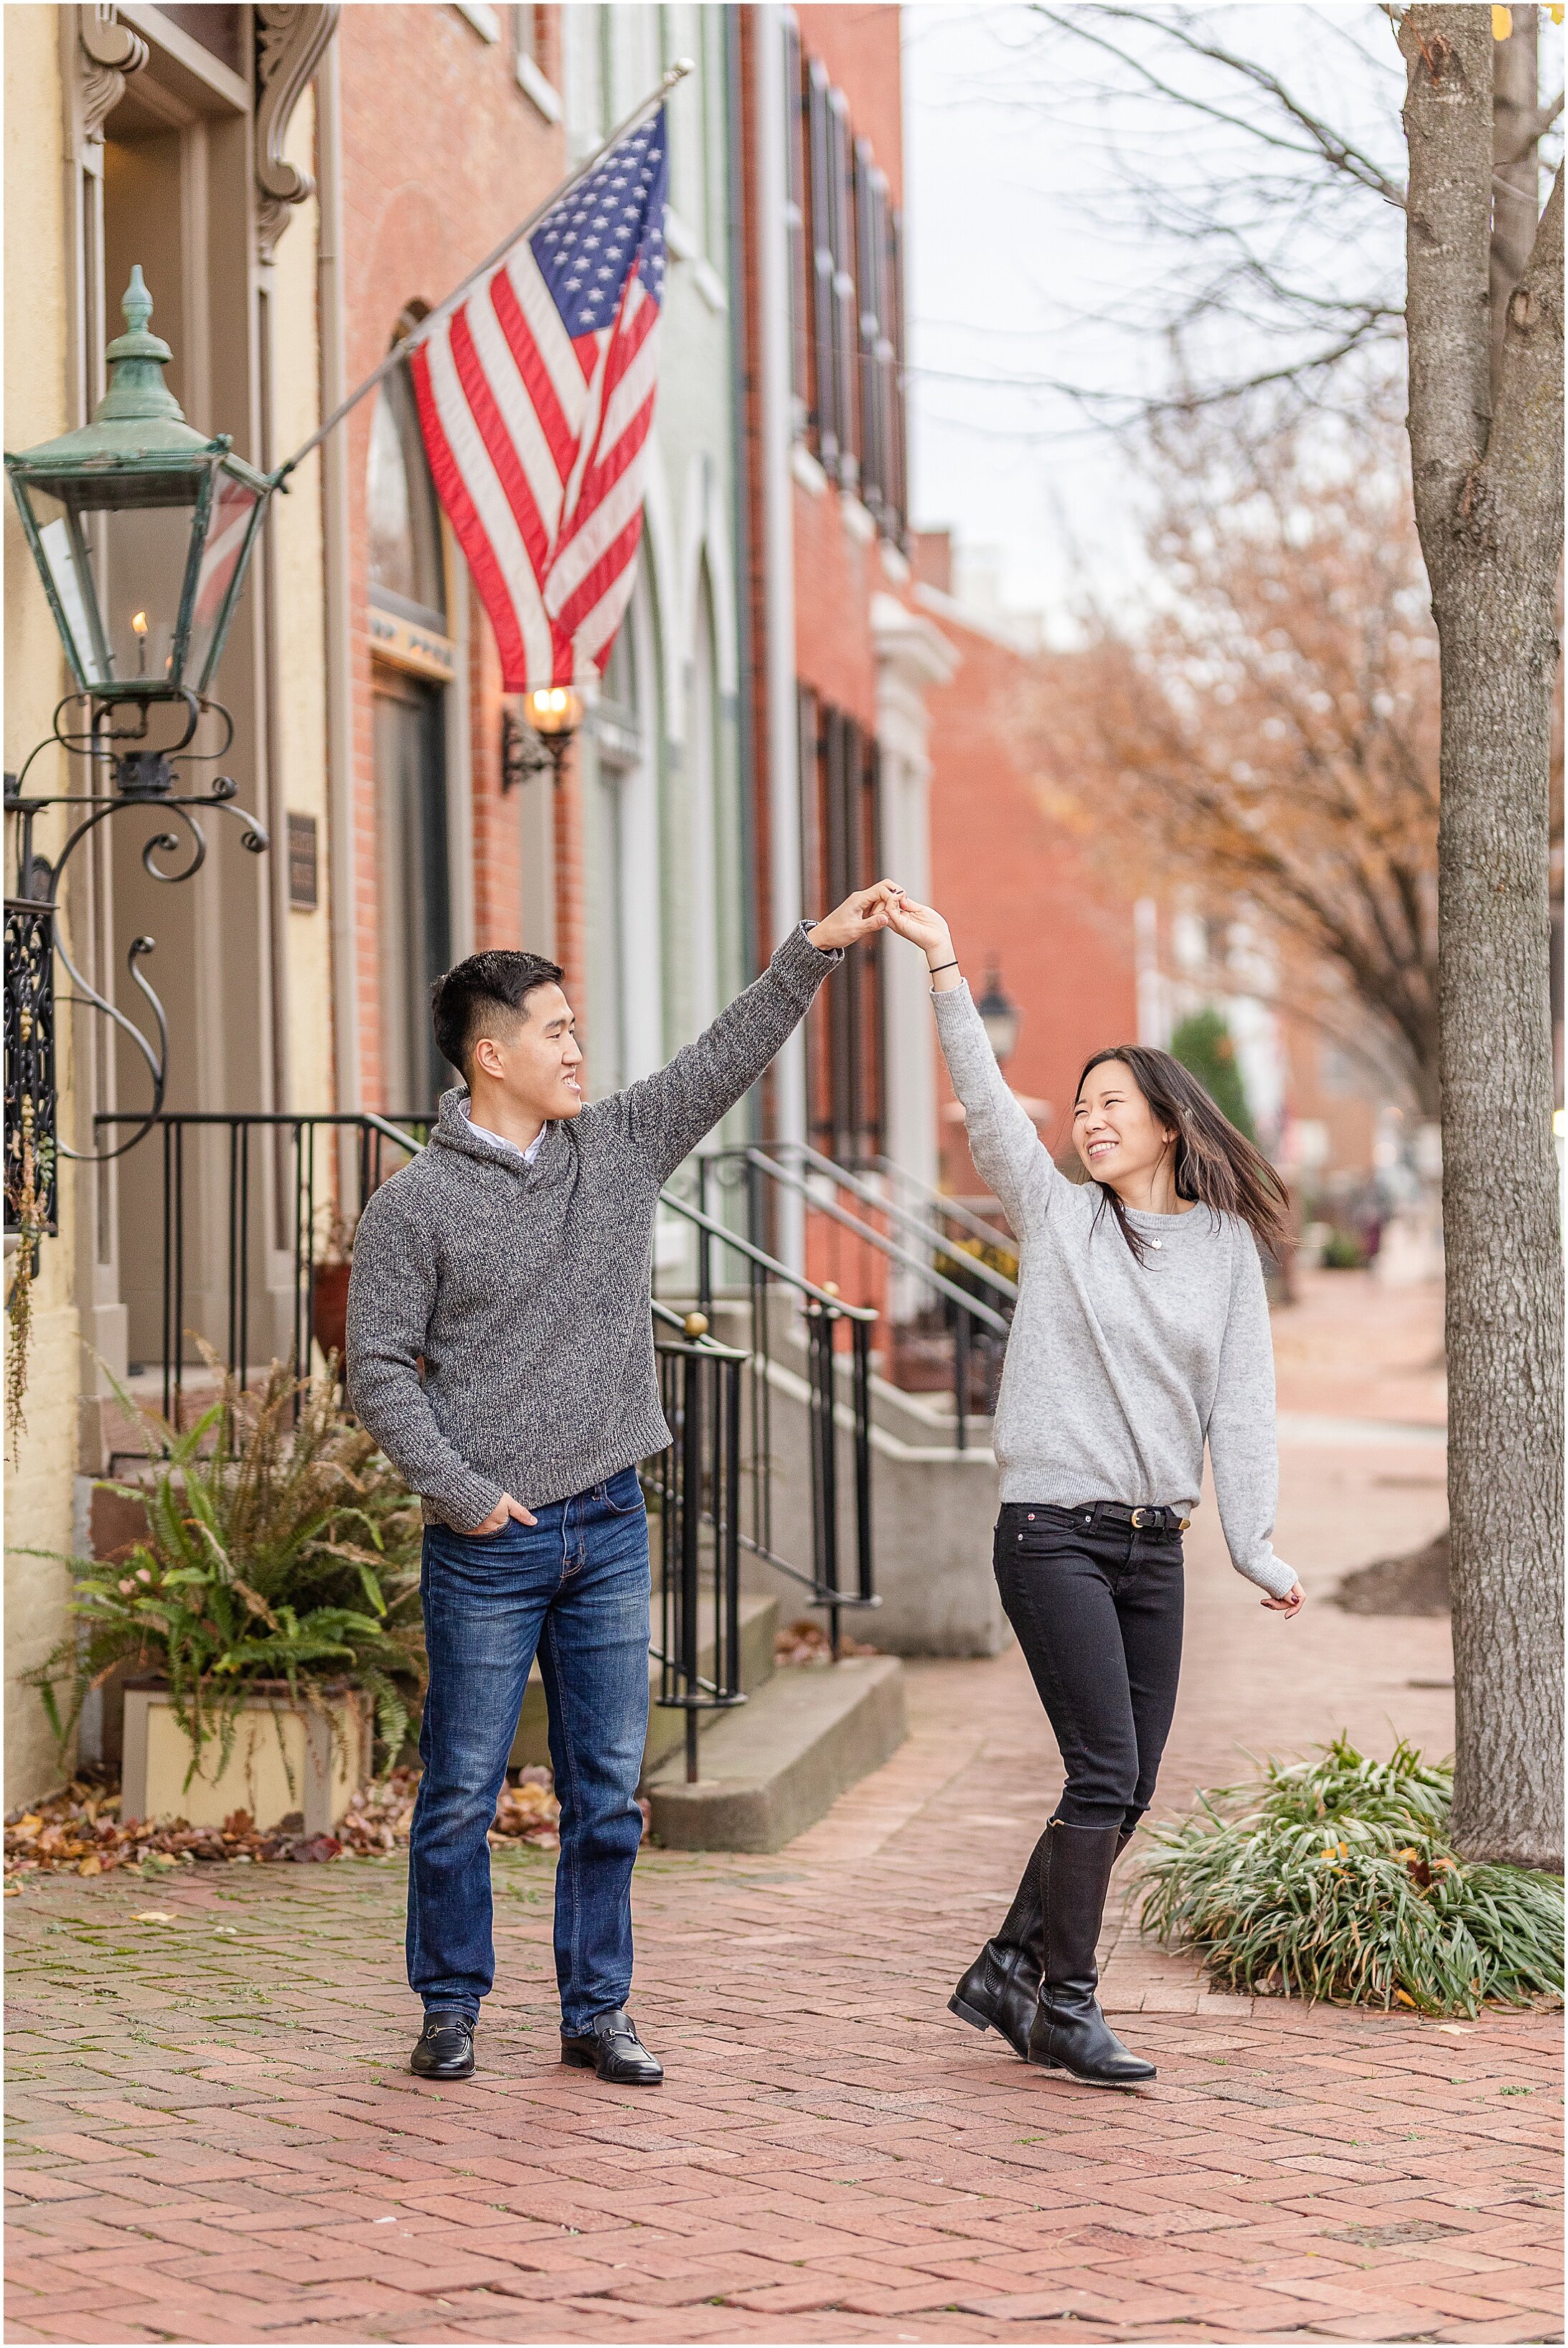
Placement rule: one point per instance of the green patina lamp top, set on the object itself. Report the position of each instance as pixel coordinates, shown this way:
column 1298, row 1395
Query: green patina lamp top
column 139, row 419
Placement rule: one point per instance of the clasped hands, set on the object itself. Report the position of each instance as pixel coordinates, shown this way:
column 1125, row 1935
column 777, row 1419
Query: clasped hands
column 883, row 906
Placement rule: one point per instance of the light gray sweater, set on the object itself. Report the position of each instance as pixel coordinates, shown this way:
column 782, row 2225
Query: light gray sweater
column 1116, row 1371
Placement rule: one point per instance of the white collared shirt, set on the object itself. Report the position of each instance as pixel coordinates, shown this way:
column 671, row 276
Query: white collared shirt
column 505, row 1142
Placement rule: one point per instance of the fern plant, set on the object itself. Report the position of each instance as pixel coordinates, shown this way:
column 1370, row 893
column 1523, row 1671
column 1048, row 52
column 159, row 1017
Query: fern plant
column 279, row 1548
column 1335, row 1879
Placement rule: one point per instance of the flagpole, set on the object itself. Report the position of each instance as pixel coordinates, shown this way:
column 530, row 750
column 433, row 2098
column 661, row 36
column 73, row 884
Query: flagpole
column 428, row 324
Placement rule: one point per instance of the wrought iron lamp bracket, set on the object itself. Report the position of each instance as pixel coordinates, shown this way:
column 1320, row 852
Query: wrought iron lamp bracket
column 143, row 777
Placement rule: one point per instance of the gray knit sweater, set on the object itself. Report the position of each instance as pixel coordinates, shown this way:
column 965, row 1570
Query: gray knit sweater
column 1115, row 1371
column 524, row 1288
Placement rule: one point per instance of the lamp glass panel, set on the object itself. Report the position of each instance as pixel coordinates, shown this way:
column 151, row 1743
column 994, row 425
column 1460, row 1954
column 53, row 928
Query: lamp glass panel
column 118, row 546
column 228, row 534
column 65, row 558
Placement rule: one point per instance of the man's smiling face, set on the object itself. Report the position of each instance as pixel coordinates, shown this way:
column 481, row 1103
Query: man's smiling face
column 536, row 1066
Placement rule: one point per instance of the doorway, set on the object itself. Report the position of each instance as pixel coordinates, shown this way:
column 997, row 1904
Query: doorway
column 415, row 929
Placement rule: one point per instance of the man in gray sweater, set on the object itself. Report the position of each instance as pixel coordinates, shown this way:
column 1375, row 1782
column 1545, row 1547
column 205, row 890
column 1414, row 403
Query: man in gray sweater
column 500, row 1351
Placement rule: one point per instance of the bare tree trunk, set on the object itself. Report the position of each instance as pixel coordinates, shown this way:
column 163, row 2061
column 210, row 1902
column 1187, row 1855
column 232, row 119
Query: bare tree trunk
column 1516, row 167
column 1489, row 505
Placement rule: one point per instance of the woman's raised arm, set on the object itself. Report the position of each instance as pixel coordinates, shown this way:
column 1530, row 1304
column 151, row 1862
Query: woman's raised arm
column 1008, row 1153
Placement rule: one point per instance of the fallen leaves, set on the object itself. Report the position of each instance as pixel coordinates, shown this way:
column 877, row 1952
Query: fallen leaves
column 806, row 1644
column 78, row 1830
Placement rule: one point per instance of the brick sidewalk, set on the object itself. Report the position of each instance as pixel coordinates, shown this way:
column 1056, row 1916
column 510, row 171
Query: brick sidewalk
column 215, row 2138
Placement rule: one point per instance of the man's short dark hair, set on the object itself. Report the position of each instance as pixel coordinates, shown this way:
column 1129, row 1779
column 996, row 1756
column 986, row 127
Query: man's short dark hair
column 466, row 999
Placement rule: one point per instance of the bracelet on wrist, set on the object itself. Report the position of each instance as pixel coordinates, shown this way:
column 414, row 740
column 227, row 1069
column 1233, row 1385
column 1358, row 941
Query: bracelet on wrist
column 934, row 970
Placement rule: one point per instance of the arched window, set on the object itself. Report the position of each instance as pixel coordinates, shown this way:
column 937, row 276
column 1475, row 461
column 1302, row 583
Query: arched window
column 406, row 572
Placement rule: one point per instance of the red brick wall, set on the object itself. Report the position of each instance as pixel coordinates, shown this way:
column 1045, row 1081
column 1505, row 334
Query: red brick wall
column 1014, row 884
column 442, row 153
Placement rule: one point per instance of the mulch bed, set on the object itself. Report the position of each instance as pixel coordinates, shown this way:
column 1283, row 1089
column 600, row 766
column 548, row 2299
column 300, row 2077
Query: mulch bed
column 1415, row 1584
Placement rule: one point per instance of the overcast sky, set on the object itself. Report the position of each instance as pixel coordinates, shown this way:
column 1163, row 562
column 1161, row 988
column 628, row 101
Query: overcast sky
column 1024, row 259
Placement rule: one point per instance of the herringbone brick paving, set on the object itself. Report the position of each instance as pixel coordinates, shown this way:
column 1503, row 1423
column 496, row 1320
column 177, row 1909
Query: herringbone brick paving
column 214, row 2138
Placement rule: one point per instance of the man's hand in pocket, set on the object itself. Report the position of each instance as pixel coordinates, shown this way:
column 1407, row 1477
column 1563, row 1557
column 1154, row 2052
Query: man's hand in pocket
column 504, row 1511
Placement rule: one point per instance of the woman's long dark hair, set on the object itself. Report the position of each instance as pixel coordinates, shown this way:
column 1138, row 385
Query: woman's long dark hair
column 1215, row 1165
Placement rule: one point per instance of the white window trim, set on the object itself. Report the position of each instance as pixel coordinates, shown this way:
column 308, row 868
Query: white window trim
column 806, row 469
column 534, row 85
column 483, row 19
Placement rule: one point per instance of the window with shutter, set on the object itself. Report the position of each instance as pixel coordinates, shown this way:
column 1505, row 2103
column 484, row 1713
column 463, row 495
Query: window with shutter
column 846, row 322
column 898, row 440
column 795, row 229
column 824, row 377
column 876, row 355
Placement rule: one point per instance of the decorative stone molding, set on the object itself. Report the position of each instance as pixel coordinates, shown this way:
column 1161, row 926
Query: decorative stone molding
column 110, row 51
column 290, row 44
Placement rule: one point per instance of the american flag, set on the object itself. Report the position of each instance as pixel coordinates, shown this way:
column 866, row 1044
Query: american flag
column 536, row 399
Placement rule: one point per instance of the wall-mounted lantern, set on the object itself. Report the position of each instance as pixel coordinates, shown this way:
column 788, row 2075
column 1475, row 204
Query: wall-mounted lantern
column 534, row 740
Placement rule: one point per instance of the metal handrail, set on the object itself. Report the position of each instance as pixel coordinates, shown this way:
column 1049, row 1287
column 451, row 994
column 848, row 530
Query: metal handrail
column 824, row 1310
column 985, row 1314
column 766, row 1262
column 953, row 1209
column 863, row 1190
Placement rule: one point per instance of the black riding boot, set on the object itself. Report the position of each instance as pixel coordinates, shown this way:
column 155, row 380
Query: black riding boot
column 1001, row 1989
column 1068, row 2032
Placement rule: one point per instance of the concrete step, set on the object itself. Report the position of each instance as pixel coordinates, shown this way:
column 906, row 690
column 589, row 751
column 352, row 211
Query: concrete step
column 774, row 1765
column 666, row 1728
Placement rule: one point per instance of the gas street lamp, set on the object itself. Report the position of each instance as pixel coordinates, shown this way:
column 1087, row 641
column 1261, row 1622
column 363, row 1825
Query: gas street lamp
column 141, row 529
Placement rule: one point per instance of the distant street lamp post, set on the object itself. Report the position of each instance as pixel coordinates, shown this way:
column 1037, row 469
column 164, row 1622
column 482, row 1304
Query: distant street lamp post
column 1000, row 1017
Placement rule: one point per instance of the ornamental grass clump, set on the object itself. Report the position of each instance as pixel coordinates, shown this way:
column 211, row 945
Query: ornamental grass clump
column 1335, row 1879
column 281, row 1550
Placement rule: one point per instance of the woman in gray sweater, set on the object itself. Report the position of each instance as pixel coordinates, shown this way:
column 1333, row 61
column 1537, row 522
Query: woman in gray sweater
column 1142, row 1330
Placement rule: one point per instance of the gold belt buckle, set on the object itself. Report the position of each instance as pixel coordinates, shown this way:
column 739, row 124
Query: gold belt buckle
column 1140, row 1518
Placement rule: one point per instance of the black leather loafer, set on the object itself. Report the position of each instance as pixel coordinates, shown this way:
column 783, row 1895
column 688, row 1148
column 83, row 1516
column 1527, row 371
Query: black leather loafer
column 610, row 2047
column 446, row 2046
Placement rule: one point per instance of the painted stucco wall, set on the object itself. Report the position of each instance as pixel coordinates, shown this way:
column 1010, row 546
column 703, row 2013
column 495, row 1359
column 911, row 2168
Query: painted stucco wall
column 40, row 1485
column 297, row 554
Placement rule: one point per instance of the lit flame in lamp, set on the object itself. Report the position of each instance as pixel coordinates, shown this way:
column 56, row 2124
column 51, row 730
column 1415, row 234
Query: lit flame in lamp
column 139, row 629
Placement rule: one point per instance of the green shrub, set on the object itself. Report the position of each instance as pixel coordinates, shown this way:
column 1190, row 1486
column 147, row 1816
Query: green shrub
column 278, row 1550
column 1206, row 1049
column 1344, row 1252
column 1335, row 1879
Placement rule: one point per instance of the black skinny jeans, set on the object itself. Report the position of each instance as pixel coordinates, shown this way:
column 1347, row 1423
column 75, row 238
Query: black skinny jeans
column 1097, row 1607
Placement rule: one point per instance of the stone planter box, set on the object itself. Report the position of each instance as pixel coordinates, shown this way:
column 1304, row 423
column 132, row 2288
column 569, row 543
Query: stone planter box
column 323, row 1748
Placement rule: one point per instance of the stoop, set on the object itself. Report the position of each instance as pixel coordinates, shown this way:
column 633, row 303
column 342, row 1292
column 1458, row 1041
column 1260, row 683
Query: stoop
column 774, row 1765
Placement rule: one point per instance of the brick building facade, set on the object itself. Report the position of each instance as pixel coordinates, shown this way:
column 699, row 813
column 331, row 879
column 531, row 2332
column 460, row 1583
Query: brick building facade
column 445, row 146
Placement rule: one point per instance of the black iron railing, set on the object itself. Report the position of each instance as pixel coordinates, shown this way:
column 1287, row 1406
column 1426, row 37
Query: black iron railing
column 693, row 1489
column 32, row 1172
column 284, row 1187
column 837, row 1334
column 970, row 1301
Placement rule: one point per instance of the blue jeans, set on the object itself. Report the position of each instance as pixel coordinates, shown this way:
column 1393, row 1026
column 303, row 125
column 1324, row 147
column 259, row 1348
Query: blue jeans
column 574, row 1588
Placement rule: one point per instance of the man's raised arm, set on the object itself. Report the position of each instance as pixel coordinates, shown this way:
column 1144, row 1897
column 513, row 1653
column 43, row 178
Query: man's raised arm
column 667, row 1114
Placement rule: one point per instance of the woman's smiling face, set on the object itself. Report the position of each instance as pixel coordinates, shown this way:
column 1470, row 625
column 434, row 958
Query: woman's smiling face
column 1117, row 1135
